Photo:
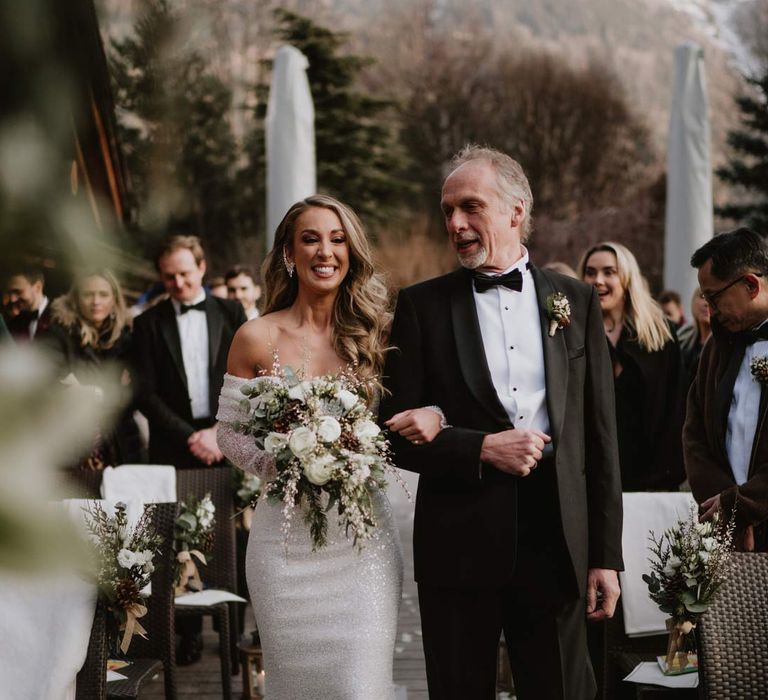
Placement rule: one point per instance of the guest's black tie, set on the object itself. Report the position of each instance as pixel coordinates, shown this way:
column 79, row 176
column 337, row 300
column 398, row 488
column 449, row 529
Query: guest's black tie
column 192, row 307
column 512, row 280
column 752, row 336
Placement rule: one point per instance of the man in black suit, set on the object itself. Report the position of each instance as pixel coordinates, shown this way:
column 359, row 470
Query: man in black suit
column 180, row 358
column 28, row 307
column 518, row 512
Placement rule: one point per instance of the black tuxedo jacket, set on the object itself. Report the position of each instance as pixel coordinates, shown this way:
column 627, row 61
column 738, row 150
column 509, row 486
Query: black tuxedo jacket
column 161, row 381
column 466, row 512
column 18, row 326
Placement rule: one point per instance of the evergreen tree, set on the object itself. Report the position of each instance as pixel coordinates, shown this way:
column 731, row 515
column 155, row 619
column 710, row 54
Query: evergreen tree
column 359, row 157
column 748, row 167
column 175, row 130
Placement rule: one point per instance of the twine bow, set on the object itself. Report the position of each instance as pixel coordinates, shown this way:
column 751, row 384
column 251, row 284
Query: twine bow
column 189, row 577
column 132, row 625
column 677, row 659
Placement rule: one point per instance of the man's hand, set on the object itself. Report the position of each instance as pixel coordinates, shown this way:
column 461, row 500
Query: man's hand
column 709, row 508
column 603, row 592
column 419, row 425
column 202, row 444
column 514, row 451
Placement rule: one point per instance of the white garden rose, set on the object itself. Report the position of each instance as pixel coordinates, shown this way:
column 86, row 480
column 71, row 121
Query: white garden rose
column 366, row 430
column 318, row 471
column 299, row 391
column 328, row 429
column 360, row 475
column 347, row 398
column 126, row 558
column 302, row 441
column 275, row 442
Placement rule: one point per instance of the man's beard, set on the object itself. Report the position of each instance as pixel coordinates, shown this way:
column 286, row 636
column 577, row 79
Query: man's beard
column 472, row 262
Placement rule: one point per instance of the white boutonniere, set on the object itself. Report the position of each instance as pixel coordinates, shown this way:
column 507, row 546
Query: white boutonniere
column 558, row 311
column 759, row 369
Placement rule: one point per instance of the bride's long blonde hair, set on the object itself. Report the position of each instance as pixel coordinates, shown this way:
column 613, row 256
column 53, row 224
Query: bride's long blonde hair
column 361, row 312
column 642, row 315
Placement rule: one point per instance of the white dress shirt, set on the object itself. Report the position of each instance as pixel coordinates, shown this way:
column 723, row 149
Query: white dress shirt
column 744, row 414
column 193, row 333
column 511, row 331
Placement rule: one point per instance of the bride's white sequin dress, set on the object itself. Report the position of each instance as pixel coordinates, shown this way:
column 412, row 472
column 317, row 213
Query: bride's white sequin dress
column 327, row 619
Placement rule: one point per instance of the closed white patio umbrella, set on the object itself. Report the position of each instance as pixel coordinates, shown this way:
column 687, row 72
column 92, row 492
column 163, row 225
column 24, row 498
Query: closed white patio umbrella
column 290, row 136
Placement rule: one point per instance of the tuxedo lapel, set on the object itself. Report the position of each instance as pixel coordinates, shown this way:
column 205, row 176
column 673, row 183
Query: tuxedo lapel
column 555, row 357
column 469, row 346
column 724, row 393
column 169, row 329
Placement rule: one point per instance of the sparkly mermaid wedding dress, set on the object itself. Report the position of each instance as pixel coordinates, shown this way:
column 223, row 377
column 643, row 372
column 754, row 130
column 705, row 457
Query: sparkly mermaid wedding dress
column 327, row 619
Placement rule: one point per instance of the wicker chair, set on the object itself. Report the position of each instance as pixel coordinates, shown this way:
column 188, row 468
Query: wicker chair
column 159, row 649
column 733, row 634
column 91, row 681
column 220, row 573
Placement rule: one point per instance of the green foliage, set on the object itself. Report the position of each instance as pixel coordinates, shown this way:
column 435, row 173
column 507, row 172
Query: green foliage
column 359, row 156
column 748, row 166
column 175, row 130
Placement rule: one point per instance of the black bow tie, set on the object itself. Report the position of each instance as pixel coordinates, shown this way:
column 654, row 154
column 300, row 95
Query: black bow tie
column 752, row 336
column 512, row 280
column 192, row 307
column 30, row 315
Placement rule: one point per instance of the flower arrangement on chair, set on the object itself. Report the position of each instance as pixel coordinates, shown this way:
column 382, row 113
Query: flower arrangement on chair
column 193, row 539
column 688, row 565
column 125, row 561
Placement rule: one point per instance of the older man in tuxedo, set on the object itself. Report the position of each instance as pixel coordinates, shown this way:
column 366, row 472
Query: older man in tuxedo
column 518, row 512
column 725, row 440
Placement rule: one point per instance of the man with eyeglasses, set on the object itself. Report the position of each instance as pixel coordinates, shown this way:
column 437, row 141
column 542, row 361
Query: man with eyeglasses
column 725, row 439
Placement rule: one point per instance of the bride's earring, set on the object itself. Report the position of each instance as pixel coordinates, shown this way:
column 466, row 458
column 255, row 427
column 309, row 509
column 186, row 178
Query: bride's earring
column 289, row 265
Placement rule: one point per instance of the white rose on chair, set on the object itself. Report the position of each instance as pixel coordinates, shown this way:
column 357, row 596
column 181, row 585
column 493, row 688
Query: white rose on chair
column 302, row 441
column 365, row 430
column 126, row 558
column 275, row 442
column 320, row 469
column 328, row 429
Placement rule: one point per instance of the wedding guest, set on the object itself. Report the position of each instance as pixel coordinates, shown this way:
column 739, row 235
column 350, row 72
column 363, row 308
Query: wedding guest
column 180, row 356
column 693, row 336
column 672, row 306
column 90, row 331
column 647, row 370
column 243, row 286
column 725, row 436
column 518, row 514
column 27, row 304
column 217, row 285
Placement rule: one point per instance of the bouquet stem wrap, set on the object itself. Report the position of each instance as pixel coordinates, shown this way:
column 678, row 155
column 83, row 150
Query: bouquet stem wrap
column 132, row 625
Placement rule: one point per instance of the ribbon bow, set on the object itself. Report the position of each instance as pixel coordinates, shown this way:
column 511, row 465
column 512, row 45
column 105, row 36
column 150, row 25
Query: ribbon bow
column 132, row 625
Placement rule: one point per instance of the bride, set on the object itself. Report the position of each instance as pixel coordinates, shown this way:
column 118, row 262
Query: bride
column 328, row 618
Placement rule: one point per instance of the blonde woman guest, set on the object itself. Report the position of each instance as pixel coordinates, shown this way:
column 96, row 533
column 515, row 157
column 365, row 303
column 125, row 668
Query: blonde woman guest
column 90, row 330
column 693, row 336
column 647, row 369
column 327, row 618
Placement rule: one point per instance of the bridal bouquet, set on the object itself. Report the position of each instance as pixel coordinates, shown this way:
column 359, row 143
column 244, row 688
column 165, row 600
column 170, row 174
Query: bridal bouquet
column 327, row 449
column 125, row 563
column 193, row 538
column 688, row 565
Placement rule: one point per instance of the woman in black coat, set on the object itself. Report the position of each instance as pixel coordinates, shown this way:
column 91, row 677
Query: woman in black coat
column 90, row 332
column 648, row 372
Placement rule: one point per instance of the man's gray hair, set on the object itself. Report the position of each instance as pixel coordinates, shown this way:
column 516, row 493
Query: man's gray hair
column 512, row 184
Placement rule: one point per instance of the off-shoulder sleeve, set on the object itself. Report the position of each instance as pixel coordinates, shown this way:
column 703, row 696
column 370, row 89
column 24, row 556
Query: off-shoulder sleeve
column 238, row 448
